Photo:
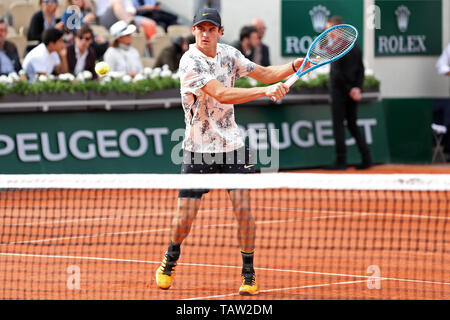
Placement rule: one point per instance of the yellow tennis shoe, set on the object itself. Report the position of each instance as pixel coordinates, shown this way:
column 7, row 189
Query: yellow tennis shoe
column 249, row 286
column 165, row 273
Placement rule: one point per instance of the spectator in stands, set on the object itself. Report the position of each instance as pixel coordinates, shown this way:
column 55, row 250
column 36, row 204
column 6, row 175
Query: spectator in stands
column 171, row 55
column 202, row 4
column 48, row 57
column 9, row 57
column 248, row 40
column 441, row 107
column 261, row 52
column 121, row 56
column 152, row 9
column 78, row 13
column 124, row 10
column 42, row 20
column 443, row 63
column 80, row 56
column 100, row 7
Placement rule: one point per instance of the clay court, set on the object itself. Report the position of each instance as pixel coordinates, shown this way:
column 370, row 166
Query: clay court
column 311, row 244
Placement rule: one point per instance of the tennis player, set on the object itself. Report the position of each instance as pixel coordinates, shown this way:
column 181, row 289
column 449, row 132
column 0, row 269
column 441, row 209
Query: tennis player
column 213, row 141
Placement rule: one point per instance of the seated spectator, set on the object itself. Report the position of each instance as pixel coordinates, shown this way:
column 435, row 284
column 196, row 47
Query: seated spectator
column 261, row 52
column 152, row 9
column 9, row 57
column 80, row 56
column 248, row 40
column 100, row 7
column 443, row 63
column 42, row 20
column 441, row 107
column 121, row 56
column 171, row 55
column 202, row 4
column 124, row 10
column 48, row 57
column 84, row 15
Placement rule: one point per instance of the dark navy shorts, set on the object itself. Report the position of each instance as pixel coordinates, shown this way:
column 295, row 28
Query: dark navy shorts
column 237, row 161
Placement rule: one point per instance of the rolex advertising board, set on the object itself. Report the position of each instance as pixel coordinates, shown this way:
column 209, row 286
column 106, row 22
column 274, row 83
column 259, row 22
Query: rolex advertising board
column 303, row 20
column 409, row 27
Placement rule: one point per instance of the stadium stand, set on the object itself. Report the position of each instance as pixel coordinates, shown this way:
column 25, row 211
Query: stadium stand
column 11, row 31
column 21, row 42
column 100, row 31
column 2, row 10
column 140, row 43
column 178, row 30
column 157, row 44
column 148, row 62
column 21, row 13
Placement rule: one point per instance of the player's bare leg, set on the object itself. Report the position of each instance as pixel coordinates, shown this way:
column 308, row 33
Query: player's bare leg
column 181, row 226
column 246, row 237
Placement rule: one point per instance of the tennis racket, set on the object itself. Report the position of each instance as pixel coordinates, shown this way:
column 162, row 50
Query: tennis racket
column 329, row 46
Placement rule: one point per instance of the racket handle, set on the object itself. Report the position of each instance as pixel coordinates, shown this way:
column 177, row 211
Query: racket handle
column 289, row 82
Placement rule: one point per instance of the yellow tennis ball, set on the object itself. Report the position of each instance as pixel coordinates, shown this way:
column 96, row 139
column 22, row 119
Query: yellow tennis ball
column 102, row 68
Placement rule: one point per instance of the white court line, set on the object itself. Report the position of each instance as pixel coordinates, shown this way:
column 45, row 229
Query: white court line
column 341, row 212
column 109, row 234
column 351, row 213
column 279, row 289
column 118, row 217
column 223, row 266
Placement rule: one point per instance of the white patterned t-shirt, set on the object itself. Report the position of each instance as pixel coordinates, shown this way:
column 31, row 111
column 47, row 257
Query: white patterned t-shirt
column 210, row 125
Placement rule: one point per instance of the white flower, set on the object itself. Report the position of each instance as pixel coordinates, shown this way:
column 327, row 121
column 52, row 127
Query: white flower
column 13, row 77
column 165, row 67
column 126, row 78
column 106, row 79
column 323, row 70
column 87, row 74
column 148, row 71
column 4, row 79
column 138, row 77
column 369, row 72
column 166, row 73
column 156, row 72
column 117, row 74
column 80, row 77
column 312, row 75
column 22, row 72
column 252, row 82
column 43, row 78
column 306, row 77
column 176, row 76
column 66, row 77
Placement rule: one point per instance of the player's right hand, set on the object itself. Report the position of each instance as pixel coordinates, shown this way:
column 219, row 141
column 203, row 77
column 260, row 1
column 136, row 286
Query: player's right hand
column 277, row 91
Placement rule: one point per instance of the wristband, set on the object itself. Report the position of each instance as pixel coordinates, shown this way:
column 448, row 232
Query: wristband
column 293, row 66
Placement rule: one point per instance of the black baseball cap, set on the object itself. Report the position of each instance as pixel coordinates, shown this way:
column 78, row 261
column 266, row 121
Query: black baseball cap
column 207, row 15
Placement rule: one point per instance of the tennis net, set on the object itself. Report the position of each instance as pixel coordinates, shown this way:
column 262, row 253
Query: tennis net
column 318, row 236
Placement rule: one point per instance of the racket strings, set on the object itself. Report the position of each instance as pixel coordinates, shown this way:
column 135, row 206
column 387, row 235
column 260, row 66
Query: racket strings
column 332, row 44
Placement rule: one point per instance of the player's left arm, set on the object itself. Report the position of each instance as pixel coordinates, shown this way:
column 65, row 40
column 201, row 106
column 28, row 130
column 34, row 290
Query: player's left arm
column 273, row 74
